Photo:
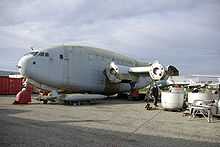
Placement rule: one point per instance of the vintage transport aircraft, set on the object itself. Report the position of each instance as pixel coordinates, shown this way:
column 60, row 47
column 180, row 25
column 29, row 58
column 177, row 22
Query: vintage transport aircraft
column 81, row 69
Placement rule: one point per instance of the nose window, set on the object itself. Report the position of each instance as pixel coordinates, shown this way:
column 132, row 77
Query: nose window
column 34, row 62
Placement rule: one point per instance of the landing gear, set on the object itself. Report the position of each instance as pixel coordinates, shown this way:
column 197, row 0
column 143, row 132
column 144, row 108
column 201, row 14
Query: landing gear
column 45, row 96
column 45, row 101
column 123, row 96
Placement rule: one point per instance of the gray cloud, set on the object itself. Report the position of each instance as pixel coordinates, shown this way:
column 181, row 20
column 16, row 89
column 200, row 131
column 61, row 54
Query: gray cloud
column 184, row 33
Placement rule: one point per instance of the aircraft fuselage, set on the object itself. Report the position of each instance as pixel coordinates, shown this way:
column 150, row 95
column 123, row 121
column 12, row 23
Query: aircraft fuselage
column 77, row 69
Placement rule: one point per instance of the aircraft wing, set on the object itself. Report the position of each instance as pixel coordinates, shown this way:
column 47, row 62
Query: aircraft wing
column 120, row 73
column 208, row 76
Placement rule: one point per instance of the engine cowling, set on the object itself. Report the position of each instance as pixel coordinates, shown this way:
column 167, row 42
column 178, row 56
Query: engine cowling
column 120, row 73
column 112, row 73
column 157, row 71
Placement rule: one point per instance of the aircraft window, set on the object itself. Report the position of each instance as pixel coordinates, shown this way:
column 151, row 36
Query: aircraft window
column 35, row 53
column 41, row 54
column 32, row 53
column 61, row 56
column 47, row 54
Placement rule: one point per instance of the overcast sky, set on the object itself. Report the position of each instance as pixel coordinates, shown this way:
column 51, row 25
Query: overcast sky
column 184, row 33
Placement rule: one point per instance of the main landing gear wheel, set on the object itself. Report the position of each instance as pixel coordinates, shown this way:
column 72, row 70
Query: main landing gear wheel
column 45, row 101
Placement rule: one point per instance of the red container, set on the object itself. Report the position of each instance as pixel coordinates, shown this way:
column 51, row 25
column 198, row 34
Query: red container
column 10, row 85
column 4, row 85
column 15, row 85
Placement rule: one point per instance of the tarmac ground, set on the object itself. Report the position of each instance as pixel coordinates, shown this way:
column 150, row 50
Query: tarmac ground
column 107, row 123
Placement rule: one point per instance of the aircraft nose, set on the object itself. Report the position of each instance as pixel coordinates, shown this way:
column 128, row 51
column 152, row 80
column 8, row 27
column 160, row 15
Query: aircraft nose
column 23, row 65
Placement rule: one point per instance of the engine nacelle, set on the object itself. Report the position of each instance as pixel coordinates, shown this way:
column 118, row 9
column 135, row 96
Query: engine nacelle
column 157, row 71
column 120, row 73
column 112, row 73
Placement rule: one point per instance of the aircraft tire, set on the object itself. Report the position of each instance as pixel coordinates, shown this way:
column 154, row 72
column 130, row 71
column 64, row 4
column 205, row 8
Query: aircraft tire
column 45, row 101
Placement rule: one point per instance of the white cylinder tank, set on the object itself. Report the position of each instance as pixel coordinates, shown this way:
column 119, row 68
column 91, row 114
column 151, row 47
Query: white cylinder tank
column 173, row 100
column 199, row 96
column 218, row 112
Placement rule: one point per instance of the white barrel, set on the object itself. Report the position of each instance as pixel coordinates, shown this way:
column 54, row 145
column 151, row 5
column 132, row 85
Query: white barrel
column 218, row 107
column 172, row 100
column 199, row 96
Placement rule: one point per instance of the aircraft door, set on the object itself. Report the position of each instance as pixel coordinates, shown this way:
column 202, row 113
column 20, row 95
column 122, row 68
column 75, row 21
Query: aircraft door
column 66, row 67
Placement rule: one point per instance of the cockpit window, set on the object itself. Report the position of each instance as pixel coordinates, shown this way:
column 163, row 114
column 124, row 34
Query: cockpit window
column 32, row 53
column 41, row 54
column 47, row 54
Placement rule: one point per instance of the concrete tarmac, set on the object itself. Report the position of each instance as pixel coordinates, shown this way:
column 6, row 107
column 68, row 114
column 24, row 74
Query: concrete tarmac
column 108, row 123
